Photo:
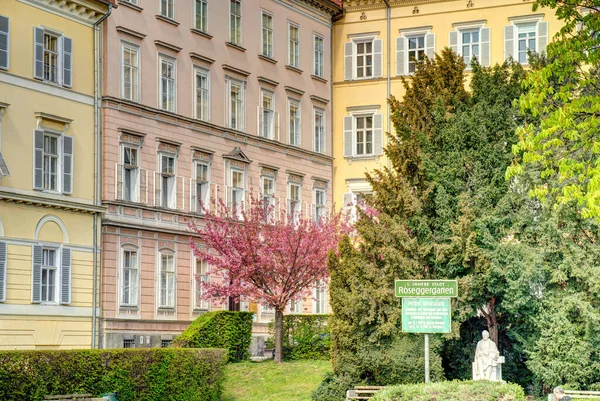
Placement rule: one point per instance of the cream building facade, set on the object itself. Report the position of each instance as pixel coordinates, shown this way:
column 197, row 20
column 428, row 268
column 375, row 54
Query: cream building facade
column 378, row 41
column 49, row 203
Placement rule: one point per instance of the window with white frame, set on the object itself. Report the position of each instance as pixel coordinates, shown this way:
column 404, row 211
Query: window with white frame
column 320, row 204
column 167, row 181
column 294, row 121
column 523, row 35
column 201, row 277
column 412, row 47
column 470, row 45
column 237, row 191
column 202, row 98
column 4, row 42
column 364, row 135
column 526, row 40
column 268, row 195
column 201, row 15
column 53, row 57
column 130, row 173
column 320, row 298
column 53, row 162
column 295, row 305
column 235, row 22
column 319, row 123
column 364, row 59
column 319, row 56
column 167, row 83
column 267, row 34
column 129, row 277
column 50, row 263
column 167, row 8
column 51, row 275
column 293, row 45
column 130, row 72
column 236, row 104
column 202, row 186
column 166, row 279
column 266, row 117
column 416, row 51
column 294, row 202
column 471, row 42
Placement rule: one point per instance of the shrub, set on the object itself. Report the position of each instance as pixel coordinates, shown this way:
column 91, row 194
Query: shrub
column 332, row 388
column 220, row 329
column 454, row 390
column 153, row 374
column 305, row 337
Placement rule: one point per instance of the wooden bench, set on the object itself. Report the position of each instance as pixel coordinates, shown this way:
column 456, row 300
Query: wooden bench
column 362, row 392
column 578, row 394
column 72, row 397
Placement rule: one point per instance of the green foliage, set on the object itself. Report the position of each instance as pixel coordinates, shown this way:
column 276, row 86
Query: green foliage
column 453, row 390
column 219, row 329
column 304, row 337
column 137, row 374
column 332, row 388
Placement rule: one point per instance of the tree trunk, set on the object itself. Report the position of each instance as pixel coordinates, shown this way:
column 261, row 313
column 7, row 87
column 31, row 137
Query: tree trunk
column 278, row 336
column 492, row 321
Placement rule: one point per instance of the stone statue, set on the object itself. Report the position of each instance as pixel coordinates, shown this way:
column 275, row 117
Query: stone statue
column 487, row 358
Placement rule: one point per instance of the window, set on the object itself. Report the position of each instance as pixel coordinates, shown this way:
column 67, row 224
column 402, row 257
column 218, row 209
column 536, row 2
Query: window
column 167, row 280
column 267, row 35
column 50, row 57
column 470, row 45
column 202, row 189
column 53, row 57
column 201, row 13
column 166, row 181
column 294, row 123
column 167, row 84
column 129, row 277
column 130, row 73
column 51, row 162
column 416, row 51
column 293, row 45
column 364, row 135
column 237, row 191
column 235, row 22
column 129, row 343
column 471, row 42
column 202, row 95
column 268, row 196
column 364, row 59
column 4, row 42
column 236, row 104
column 294, row 202
column 320, row 139
column 319, row 55
column 296, row 305
column 131, row 1
column 319, row 210
column 266, row 117
column 49, row 275
column 167, row 8
column 201, row 276
column 320, row 299
column 130, row 174
column 526, row 40
column 165, row 343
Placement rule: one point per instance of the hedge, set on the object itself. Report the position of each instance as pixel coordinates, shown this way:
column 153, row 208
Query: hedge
column 152, row 374
column 304, row 337
column 452, row 391
column 219, row 329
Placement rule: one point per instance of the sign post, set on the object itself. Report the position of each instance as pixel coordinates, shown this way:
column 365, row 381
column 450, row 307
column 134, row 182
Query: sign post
column 426, row 308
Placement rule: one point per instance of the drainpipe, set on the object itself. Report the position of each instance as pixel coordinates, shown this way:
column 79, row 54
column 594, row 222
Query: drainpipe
column 334, row 19
column 97, row 146
column 389, row 61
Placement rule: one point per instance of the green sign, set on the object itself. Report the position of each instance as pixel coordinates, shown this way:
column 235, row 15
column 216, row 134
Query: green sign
column 427, row 288
column 426, row 315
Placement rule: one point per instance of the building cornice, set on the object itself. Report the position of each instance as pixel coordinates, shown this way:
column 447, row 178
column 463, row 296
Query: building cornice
column 48, row 201
column 327, row 6
column 84, row 11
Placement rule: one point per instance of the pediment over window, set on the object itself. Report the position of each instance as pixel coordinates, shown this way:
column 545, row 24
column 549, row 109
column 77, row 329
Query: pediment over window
column 238, row 155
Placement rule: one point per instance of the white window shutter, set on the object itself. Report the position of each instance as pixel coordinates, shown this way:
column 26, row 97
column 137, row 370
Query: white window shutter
column 38, row 53
column 542, row 36
column 377, row 134
column 484, row 49
column 348, row 61
column 377, row 58
column 3, row 262
column 509, row 42
column 4, row 43
column 453, row 41
column 38, row 159
column 430, row 45
column 67, row 58
column 67, row 165
column 348, row 135
column 36, row 274
column 400, row 55
column 157, row 184
column 65, row 277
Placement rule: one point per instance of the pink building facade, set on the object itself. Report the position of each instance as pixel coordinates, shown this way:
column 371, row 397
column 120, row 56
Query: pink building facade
column 204, row 99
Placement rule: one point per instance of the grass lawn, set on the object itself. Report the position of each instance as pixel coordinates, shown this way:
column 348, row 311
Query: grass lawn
column 268, row 381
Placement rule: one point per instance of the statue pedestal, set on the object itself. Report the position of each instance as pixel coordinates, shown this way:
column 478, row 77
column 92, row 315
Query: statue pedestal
column 496, row 374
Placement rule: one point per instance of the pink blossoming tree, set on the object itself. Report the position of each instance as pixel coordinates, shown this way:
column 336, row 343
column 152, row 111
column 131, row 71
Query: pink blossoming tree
column 269, row 260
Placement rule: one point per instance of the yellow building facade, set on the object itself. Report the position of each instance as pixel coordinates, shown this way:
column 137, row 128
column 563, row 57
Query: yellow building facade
column 49, row 198
column 377, row 42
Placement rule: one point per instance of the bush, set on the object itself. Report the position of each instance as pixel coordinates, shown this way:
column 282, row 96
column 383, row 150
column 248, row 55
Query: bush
column 136, row 374
column 220, row 329
column 454, row 390
column 305, row 337
column 332, row 388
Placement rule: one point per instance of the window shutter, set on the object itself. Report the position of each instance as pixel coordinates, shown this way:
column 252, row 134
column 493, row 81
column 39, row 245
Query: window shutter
column 348, row 134
column 67, row 67
column 377, row 58
column 348, row 60
column 65, row 277
column 4, row 42
column 157, row 184
column 453, row 41
column 509, row 41
column 377, row 134
column 400, row 55
column 38, row 159
column 542, row 33
column 38, row 52
column 484, row 49
column 67, row 165
column 36, row 274
column 3, row 261
column 430, row 45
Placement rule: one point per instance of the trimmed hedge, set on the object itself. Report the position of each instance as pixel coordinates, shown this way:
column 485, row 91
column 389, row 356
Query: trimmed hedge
column 452, row 391
column 304, row 337
column 152, row 374
column 219, row 329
